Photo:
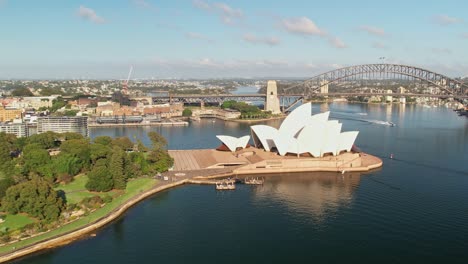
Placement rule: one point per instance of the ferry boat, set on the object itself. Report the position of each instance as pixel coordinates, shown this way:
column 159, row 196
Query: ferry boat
column 254, row 181
column 225, row 185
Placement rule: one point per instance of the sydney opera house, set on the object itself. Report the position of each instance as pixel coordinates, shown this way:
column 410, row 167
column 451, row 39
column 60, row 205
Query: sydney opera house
column 301, row 133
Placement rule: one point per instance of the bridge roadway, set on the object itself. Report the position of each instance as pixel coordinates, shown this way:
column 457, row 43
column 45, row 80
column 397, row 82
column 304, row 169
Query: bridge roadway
column 193, row 96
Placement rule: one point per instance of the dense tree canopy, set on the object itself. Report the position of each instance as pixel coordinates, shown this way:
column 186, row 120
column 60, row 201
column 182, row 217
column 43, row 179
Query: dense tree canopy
column 35, row 160
column 35, row 197
column 124, row 143
column 47, row 140
column 99, row 178
column 187, row 112
column 158, row 158
column 157, row 140
column 117, row 168
column 21, row 91
column 103, row 140
column 48, row 91
column 30, row 167
column 242, row 107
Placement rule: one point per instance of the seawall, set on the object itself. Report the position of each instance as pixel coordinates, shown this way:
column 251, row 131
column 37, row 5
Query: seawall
column 89, row 228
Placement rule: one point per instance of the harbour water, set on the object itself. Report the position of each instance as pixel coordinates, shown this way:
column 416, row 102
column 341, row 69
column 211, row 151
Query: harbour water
column 413, row 209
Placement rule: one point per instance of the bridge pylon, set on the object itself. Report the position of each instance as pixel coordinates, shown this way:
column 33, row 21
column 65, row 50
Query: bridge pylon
column 272, row 102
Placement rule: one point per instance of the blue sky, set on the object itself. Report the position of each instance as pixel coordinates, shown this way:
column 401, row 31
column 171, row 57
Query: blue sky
column 201, row 38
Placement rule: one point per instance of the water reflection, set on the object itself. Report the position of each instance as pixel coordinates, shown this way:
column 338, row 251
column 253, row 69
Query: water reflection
column 314, row 194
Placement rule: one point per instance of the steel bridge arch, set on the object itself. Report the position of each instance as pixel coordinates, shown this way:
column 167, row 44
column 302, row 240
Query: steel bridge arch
column 450, row 85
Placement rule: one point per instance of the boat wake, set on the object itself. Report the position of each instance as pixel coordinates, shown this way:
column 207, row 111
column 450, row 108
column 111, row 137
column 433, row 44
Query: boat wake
column 379, row 122
column 339, row 115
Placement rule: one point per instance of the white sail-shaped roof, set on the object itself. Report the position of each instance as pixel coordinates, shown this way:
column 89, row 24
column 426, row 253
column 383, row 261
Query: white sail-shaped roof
column 346, row 141
column 311, row 138
column 333, row 129
column 296, row 120
column 286, row 145
column 301, row 132
column 234, row 143
column 264, row 134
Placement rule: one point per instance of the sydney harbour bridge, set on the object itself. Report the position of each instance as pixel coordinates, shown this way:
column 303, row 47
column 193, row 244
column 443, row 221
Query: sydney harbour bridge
column 343, row 78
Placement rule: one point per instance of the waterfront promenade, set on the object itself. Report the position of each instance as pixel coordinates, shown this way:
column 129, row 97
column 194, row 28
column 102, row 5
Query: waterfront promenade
column 200, row 167
column 257, row 161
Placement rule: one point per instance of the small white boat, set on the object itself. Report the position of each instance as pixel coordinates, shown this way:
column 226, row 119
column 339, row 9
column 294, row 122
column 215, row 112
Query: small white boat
column 254, row 181
column 225, row 185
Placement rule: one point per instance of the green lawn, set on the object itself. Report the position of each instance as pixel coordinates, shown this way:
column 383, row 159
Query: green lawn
column 134, row 187
column 77, row 184
column 75, row 191
column 13, row 222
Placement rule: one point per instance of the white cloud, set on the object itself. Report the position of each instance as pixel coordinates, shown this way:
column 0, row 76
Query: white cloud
column 373, row 30
column 445, row 20
column 208, row 62
column 337, row 42
column 227, row 14
column 90, row 14
column 306, row 27
column 272, row 41
column 465, row 35
column 227, row 10
column 301, row 25
column 379, row 45
column 210, row 68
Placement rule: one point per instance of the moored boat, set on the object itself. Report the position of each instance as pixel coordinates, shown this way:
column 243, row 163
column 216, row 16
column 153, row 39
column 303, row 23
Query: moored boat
column 254, row 181
column 225, row 185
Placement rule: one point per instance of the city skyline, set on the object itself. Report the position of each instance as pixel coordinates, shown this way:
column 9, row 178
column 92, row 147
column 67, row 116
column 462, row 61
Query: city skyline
column 210, row 39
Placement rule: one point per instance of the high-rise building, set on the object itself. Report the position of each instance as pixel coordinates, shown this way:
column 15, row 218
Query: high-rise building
column 62, row 124
column 18, row 129
column 9, row 114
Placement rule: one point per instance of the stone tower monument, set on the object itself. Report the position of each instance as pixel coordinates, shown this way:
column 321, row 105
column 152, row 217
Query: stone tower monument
column 272, row 102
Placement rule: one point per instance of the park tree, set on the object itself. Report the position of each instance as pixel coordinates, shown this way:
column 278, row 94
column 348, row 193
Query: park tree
column 99, row 178
column 77, row 148
column 71, row 135
column 123, row 143
column 139, row 163
column 66, row 164
column 141, row 147
column 227, row 104
column 35, row 197
column 103, row 140
column 35, row 159
column 7, row 145
column 117, row 168
column 57, row 104
column 46, row 140
column 157, row 140
column 5, row 183
column 98, row 151
column 187, row 112
column 158, row 158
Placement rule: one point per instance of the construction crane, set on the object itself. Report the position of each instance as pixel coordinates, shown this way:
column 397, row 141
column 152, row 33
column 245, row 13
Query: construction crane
column 125, row 84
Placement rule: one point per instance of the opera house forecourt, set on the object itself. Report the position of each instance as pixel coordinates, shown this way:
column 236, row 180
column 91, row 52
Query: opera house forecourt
column 303, row 142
